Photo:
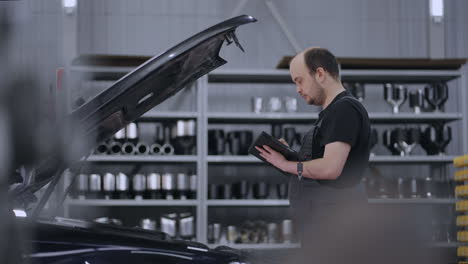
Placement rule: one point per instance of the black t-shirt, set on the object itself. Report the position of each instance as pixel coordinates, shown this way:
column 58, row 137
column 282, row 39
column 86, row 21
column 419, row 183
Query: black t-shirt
column 344, row 120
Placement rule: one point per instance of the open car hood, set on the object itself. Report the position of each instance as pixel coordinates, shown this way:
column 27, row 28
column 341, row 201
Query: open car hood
column 137, row 92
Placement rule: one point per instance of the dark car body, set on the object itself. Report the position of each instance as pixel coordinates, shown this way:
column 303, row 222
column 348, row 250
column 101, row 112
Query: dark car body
column 60, row 240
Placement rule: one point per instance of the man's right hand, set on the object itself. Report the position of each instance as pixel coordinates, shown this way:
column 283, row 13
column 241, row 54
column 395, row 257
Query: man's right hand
column 283, row 141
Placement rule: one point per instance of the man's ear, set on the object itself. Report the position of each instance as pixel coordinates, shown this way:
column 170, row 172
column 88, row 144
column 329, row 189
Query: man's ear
column 320, row 74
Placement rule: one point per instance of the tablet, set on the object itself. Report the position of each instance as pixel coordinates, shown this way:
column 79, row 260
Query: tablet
column 266, row 139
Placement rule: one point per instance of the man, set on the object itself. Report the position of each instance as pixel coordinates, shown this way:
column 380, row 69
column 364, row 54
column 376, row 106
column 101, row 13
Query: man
column 325, row 185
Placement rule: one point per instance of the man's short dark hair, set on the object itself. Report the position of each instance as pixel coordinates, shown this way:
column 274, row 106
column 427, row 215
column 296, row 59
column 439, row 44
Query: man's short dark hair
column 320, row 57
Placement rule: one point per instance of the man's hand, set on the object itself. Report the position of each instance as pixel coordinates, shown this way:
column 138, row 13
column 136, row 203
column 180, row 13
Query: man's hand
column 273, row 157
column 283, row 141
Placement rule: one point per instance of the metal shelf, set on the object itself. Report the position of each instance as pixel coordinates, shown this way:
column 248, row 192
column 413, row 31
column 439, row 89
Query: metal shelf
column 383, row 117
column 167, row 115
column 248, row 117
column 263, row 202
column 413, row 118
column 412, row 201
column 282, row 76
column 232, row 159
column 259, row 246
column 143, row 158
column 374, row 159
column 130, row 202
column 371, row 201
column 412, row 159
column 367, row 76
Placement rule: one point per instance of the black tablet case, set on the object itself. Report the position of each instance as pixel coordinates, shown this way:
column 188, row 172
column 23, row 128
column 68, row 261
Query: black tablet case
column 266, row 139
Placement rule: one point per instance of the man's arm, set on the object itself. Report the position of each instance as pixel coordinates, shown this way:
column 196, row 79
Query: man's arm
column 327, row 168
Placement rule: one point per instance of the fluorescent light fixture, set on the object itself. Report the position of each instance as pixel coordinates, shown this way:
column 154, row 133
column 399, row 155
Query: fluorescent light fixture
column 19, row 213
column 69, row 6
column 436, row 10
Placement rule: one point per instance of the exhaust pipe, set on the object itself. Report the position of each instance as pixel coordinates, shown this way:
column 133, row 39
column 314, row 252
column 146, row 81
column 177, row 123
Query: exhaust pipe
column 102, row 148
column 142, row 149
column 115, row 148
column 156, row 149
column 128, row 148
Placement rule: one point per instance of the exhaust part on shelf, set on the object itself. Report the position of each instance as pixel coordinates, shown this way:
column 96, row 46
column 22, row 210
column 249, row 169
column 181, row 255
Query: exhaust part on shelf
column 139, row 186
column 156, row 149
column 287, row 231
column 435, row 139
column 261, row 190
column 120, row 135
column 210, row 234
column 216, row 142
column 186, row 226
column 115, row 148
column 184, row 137
column 183, row 185
column 272, row 233
column 290, row 104
column 231, row 234
column 414, row 188
column 169, row 224
column 257, row 104
column 108, row 185
column 102, row 148
column 132, row 132
column 214, row 233
column 95, row 186
column 212, row 191
column 274, row 104
column 395, row 95
column 239, row 142
column 193, row 187
column 142, row 149
column 168, row 185
column 416, row 100
column 147, row 223
column 225, row 191
column 122, row 186
column 153, row 186
column 429, row 188
column 128, row 148
column 436, row 95
column 83, row 186
column 241, row 190
column 167, row 148
column 282, row 190
column 277, row 130
column 401, row 192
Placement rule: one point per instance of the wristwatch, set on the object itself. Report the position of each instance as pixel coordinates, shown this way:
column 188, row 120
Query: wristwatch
column 299, row 170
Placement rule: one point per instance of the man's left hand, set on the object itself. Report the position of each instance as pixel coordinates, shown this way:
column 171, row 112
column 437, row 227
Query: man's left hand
column 273, row 157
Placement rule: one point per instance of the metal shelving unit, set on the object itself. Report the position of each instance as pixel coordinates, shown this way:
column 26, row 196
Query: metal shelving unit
column 373, row 159
column 160, row 116
column 402, row 118
column 282, row 76
column 273, row 203
column 203, row 117
column 143, row 158
column 130, row 202
column 264, row 202
column 428, row 201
